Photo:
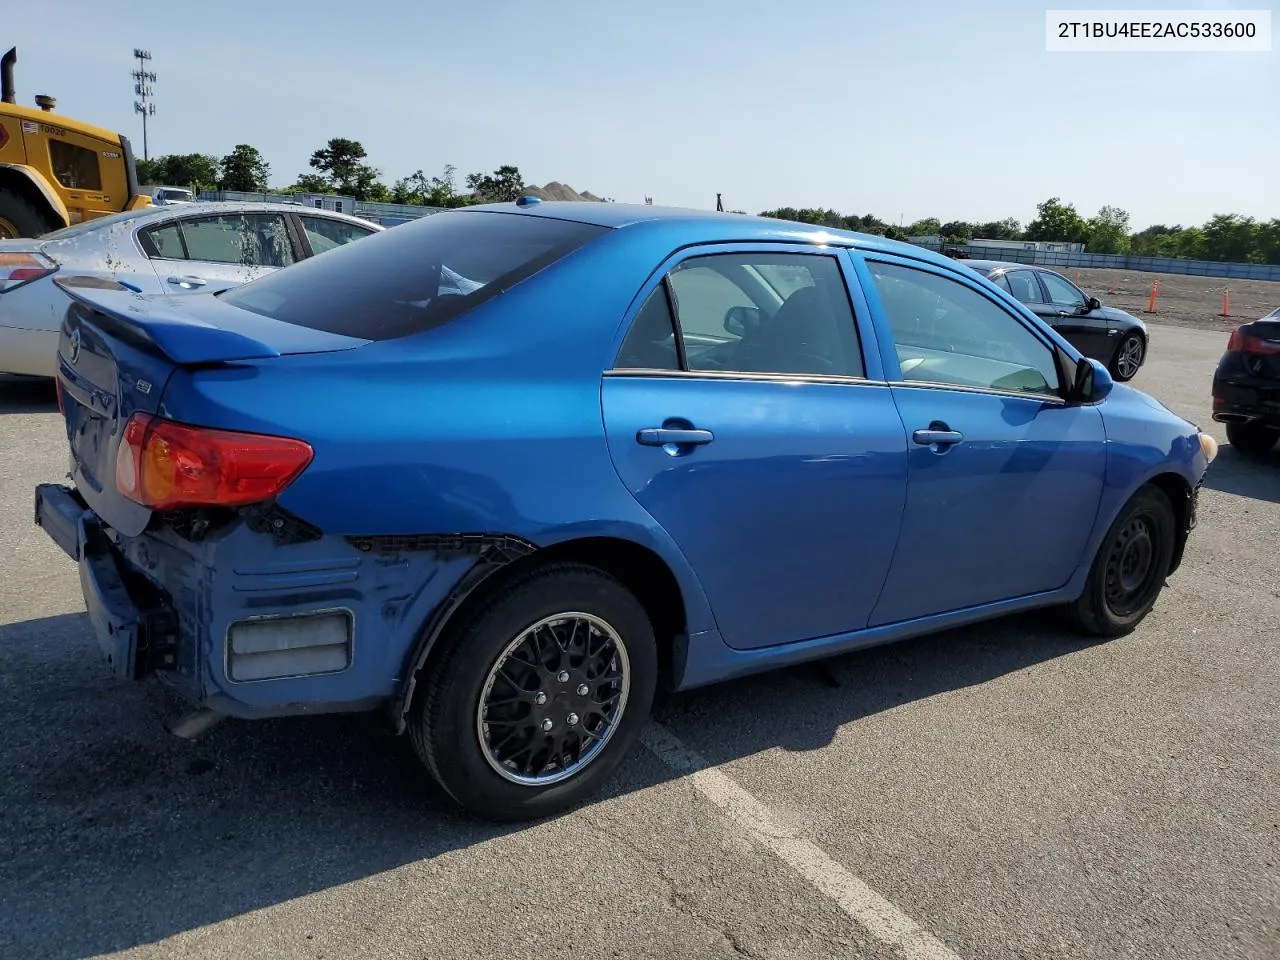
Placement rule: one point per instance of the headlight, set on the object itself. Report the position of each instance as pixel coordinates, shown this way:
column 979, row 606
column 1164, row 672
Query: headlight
column 1209, row 446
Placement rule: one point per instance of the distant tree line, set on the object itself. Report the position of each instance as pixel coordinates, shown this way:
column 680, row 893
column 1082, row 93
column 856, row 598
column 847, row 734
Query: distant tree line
column 340, row 166
column 1226, row 237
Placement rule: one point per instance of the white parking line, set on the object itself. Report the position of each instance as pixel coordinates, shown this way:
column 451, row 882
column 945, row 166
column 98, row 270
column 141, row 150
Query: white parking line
column 869, row 909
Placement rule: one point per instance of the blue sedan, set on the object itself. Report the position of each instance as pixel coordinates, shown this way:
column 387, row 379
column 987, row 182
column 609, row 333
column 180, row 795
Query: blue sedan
column 502, row 471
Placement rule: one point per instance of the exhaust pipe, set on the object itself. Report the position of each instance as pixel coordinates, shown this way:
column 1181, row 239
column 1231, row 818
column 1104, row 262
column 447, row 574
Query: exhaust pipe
column 190, row 725
column 7, row 92
column 1231, row 418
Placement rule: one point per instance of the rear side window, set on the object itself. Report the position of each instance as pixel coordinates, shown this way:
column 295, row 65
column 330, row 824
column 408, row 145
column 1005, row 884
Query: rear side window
column 415, row 277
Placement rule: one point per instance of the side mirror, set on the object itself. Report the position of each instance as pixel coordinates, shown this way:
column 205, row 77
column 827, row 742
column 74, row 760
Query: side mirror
column 1092, row 382
column 741, row 321
column 1093, row 303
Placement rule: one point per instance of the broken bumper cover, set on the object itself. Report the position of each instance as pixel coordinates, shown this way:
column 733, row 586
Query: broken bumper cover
column 135, row 627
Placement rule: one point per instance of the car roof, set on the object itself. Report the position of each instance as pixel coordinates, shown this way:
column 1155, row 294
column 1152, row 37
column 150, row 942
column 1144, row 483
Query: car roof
column 199, row 207
column 703, row 225
column 986, row 266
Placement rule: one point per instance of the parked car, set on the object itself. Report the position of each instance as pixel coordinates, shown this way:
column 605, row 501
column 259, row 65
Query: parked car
column 501, row 471
column 1246, row 386
column 162, row 196
column 1107, row 334
column 177, row 248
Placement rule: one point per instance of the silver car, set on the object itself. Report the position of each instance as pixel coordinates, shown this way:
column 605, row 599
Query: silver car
column 179, row 248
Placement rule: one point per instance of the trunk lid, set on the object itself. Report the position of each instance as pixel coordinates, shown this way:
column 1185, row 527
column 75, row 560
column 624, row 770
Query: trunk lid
column 117, row 351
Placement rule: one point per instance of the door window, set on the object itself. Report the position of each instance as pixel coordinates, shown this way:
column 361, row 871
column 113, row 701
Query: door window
column 651, row 342
column 1062, row 292
column 251, row 240
column 1024, row 287
column 948, row 333
column 75, row 167
column 163, row 243
column 732, row 317
column 325, row 234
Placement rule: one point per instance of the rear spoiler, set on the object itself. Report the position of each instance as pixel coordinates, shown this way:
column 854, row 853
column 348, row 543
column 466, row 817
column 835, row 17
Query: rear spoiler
column 160, row 323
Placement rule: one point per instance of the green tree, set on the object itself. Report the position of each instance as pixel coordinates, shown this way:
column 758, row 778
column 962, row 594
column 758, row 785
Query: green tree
column 928, row 227
column 1229, row 236
column 196, row 171
column 504, row 184
column 1108, row 231
column 956, row 231
column 244, row 169
column 340, row 162
column 1059, row 222
column 1007, row 229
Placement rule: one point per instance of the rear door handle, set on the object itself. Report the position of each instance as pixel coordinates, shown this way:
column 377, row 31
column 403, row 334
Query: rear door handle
column 187, row 281
column 661, row 436
column 927, row 438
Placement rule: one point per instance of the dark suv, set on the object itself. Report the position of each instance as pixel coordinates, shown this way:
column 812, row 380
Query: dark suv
column 1246, row 385
column 1106, row 334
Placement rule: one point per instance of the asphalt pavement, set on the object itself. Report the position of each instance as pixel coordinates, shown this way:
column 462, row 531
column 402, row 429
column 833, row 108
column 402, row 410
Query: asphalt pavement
column 1003, row 791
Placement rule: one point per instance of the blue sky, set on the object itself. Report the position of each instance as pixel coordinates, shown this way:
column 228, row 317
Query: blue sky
column 900, row 108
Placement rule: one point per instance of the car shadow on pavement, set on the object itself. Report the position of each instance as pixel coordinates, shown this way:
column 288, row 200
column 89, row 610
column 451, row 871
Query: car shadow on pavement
column 115, row 834
column 27, row 396
column 1246, row 476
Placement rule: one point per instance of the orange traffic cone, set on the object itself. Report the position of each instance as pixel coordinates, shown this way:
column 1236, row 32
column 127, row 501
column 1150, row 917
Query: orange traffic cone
column 1226, row 304
column 1111, row 289
column 1151, row 301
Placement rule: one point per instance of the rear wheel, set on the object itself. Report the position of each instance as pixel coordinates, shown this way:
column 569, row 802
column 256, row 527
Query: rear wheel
column 1252, row 439
column 19, row 218
column 1130, row 567
column 1129, row 356
column 538, row 694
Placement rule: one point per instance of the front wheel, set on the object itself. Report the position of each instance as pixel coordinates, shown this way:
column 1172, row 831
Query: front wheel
column 19, row 218
column 538, row 694
column 1130, row 567
column 1251, row 439
column 1129, row 356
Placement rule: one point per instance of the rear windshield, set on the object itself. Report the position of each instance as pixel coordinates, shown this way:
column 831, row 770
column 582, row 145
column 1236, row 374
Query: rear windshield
column 412, row 277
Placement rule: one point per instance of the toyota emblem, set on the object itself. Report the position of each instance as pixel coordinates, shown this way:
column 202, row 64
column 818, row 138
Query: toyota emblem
column 75, row 346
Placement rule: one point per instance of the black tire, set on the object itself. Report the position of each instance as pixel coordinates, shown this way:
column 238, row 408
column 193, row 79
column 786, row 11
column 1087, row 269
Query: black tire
column 1129, row 357
column 1108, row 607
column 1252, row 439
column 28, row 220
column 445, row 723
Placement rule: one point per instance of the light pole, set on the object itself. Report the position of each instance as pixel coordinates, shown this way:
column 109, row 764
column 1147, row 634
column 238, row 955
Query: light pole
column 142, row 80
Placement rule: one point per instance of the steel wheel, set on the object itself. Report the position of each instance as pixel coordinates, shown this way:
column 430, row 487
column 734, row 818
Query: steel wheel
column 1129, row 357
column 553, row 698
column 1131, row 568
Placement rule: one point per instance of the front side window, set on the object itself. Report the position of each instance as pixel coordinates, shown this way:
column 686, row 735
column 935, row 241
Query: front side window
column 731, row 318
column 418, row 276
column 250, row 240
column 1062, row 293
column 1023, row 286
column 75, row 167
column 325, row 234
column 947, row 333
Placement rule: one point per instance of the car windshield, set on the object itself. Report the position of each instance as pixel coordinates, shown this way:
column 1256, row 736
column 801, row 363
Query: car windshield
column 99, row 223
column 417, row 276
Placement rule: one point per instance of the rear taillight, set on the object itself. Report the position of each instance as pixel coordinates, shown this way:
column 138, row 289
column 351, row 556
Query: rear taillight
column 166, row 465
column 19, row 268
column 1241, row 342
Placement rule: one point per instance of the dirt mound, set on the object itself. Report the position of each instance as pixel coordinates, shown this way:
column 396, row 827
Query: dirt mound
column 559, row 191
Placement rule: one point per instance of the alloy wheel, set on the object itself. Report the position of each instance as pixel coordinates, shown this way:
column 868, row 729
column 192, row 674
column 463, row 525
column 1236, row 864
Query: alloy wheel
column 553, row 698
column 1129, row 360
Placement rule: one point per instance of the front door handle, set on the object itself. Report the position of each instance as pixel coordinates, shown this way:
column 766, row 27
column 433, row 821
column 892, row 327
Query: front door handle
column 945, row 438
column 661, row 436
column 187, row 281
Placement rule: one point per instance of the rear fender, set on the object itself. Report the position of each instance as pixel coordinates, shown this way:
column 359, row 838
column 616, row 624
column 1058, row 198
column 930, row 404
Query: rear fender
column 24, row 179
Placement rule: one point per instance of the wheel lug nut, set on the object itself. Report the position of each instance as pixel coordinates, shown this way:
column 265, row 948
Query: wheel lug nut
column 583, row 689
column 563, row 676
column 547, row 724
column 539, row 698
column 571, row 719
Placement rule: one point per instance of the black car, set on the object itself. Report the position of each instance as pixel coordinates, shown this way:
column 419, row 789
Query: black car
column 1106, row 334
column 1246, row 385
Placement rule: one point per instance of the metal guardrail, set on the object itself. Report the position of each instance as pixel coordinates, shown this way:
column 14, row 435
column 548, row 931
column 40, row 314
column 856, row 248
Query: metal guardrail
column 1114, row 261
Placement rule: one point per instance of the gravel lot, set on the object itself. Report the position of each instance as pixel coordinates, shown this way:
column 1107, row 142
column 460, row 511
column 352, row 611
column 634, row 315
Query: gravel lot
column 1013, row 790
column 1183, row 301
